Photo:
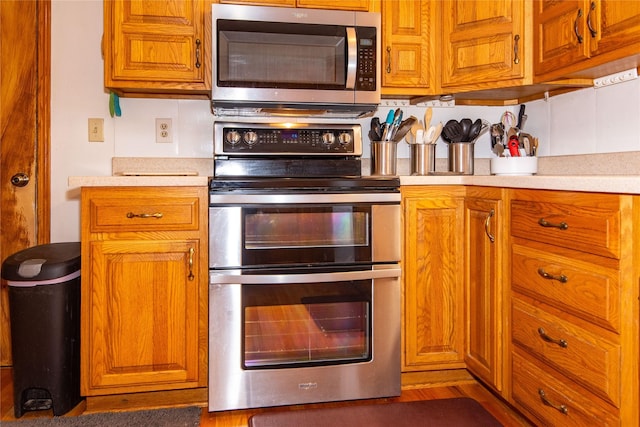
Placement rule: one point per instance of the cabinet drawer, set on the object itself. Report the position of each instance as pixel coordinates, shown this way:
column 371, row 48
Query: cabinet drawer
column 585, row 228
column 583, row 289
column 580, row 355
column 555, row 403
column 143, row 214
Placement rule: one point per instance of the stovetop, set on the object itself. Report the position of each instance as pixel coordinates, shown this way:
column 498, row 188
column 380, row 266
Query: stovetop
column 322, row 184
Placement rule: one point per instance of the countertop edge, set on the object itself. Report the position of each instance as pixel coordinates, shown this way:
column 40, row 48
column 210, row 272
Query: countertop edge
column 137, row 181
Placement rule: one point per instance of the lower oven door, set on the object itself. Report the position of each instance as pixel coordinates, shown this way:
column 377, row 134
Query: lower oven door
column 293, row 338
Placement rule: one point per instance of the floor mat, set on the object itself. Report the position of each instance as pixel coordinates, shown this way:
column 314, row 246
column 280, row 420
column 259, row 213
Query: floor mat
column 457, row 412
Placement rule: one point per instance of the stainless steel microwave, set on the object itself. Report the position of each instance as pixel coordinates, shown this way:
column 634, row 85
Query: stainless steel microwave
column 294, row 59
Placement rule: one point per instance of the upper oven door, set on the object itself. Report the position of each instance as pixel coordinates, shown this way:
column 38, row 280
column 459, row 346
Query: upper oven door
column 291, row 55
column 263, row 230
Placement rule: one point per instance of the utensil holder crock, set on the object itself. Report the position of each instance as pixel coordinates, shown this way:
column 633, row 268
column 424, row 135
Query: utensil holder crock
column 461, row 157
column 423, row 159
column 383, row 158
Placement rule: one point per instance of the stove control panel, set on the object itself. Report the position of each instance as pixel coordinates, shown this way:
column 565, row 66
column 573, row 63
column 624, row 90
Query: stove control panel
column 245, row 139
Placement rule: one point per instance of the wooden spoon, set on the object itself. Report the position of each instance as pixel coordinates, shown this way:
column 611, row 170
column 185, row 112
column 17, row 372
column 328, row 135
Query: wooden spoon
column 427, row 117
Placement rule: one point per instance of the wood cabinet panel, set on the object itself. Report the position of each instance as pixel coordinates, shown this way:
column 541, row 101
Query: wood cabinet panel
column 433, row 278
column 144, row 315
column 586, row 358
column 588, row 223
column 484, row 299
column 580, row 288
column 406, row 45
column 546, row 399
column 144, row 301
column 482, row 41
column 156, row 47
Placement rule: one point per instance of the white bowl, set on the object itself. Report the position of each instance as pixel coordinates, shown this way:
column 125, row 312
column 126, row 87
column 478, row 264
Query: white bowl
column 514, row 165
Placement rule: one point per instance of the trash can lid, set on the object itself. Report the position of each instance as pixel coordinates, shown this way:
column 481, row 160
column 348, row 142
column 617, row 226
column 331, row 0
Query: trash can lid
column 42, row 262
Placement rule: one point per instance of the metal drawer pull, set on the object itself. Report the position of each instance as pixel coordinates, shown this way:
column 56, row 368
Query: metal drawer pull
column 575, row 27
column 145, row 215
column 543, row 334
column 486, row 227
column 198, row 53
column 388, row 59
column 560, row 408
column 544, row 223
column 516, row 54
column 561, row 278
column 191, row 252
column 593, row 32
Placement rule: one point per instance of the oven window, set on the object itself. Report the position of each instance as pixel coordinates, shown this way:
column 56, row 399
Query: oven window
column 281, row 55
column 276, row 228
column 306, row 324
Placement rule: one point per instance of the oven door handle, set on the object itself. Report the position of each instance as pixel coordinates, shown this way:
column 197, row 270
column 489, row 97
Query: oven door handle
column 236, row 277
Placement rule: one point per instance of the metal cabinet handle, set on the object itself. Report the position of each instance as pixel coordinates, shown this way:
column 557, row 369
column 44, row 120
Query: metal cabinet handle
column 561, row 278
column 20, row 179
column 516, row 54
column 560, row 342
column 388, row 59
column 145, row 215
column 191, row 253
column 592, row 30
column 544, row 223
column 560, row 408
column 486, row 226
column 198, row 53
column 575, row 26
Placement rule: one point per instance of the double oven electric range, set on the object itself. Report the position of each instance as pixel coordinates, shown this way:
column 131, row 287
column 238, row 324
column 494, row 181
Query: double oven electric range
column 304, row 287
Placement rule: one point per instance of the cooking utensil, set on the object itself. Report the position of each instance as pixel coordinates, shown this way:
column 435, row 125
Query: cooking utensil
column 386, row 127
column 466, row 127
column 520, row 117
column 403, row 129
column 376, row 129
column 453, row 131
column 474, row 130
column 436, row 133
column 427, row 117
column 514, row 146
column 508, row 120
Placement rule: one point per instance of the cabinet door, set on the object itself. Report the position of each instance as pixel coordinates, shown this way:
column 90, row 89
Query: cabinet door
column 559, row 34
column 155, row 46
column 483, row 41
column 433, row 271
column 141, row 332
column 484, row 350
column 614, row 25
column 406, row 44
column 361, row 5
column 287, row 3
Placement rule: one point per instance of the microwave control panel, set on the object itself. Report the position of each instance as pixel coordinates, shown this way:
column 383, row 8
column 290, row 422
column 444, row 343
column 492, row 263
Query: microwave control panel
column 366, row 74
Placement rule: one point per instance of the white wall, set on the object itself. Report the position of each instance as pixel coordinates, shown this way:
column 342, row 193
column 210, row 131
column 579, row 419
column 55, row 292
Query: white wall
column 582, row 122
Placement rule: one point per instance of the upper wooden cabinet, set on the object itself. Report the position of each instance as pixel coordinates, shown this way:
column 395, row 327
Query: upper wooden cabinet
column 362, row 5
column 157, row 47
column 407, row 67
column 571, row 37
column 483, row 43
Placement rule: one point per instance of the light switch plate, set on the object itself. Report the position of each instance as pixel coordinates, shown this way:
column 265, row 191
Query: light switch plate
column 96, row 130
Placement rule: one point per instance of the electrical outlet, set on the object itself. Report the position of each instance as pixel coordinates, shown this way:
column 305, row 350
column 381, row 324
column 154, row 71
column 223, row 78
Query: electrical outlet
column 96, row 130
column 164, row 130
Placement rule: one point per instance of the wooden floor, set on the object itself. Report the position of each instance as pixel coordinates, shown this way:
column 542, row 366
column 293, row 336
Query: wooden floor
column 239, row 418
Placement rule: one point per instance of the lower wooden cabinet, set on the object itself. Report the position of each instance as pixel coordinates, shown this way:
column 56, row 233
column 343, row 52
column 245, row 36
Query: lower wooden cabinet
column 144, row 289
column 485, row 300
column 433, row 278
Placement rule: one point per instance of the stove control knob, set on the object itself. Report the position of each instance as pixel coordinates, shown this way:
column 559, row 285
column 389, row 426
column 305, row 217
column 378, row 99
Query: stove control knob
column 344, row 138
column 328, row 138
column 232, row 137
column 251, row 138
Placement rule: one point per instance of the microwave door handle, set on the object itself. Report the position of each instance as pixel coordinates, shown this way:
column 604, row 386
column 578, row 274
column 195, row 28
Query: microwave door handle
column 352, row 57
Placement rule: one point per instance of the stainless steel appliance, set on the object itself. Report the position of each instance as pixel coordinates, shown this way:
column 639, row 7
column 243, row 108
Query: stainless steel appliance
column 304, row 291
column 269, row 59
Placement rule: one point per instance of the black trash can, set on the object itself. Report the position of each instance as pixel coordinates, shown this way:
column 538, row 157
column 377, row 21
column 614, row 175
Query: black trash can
column 44, row 306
